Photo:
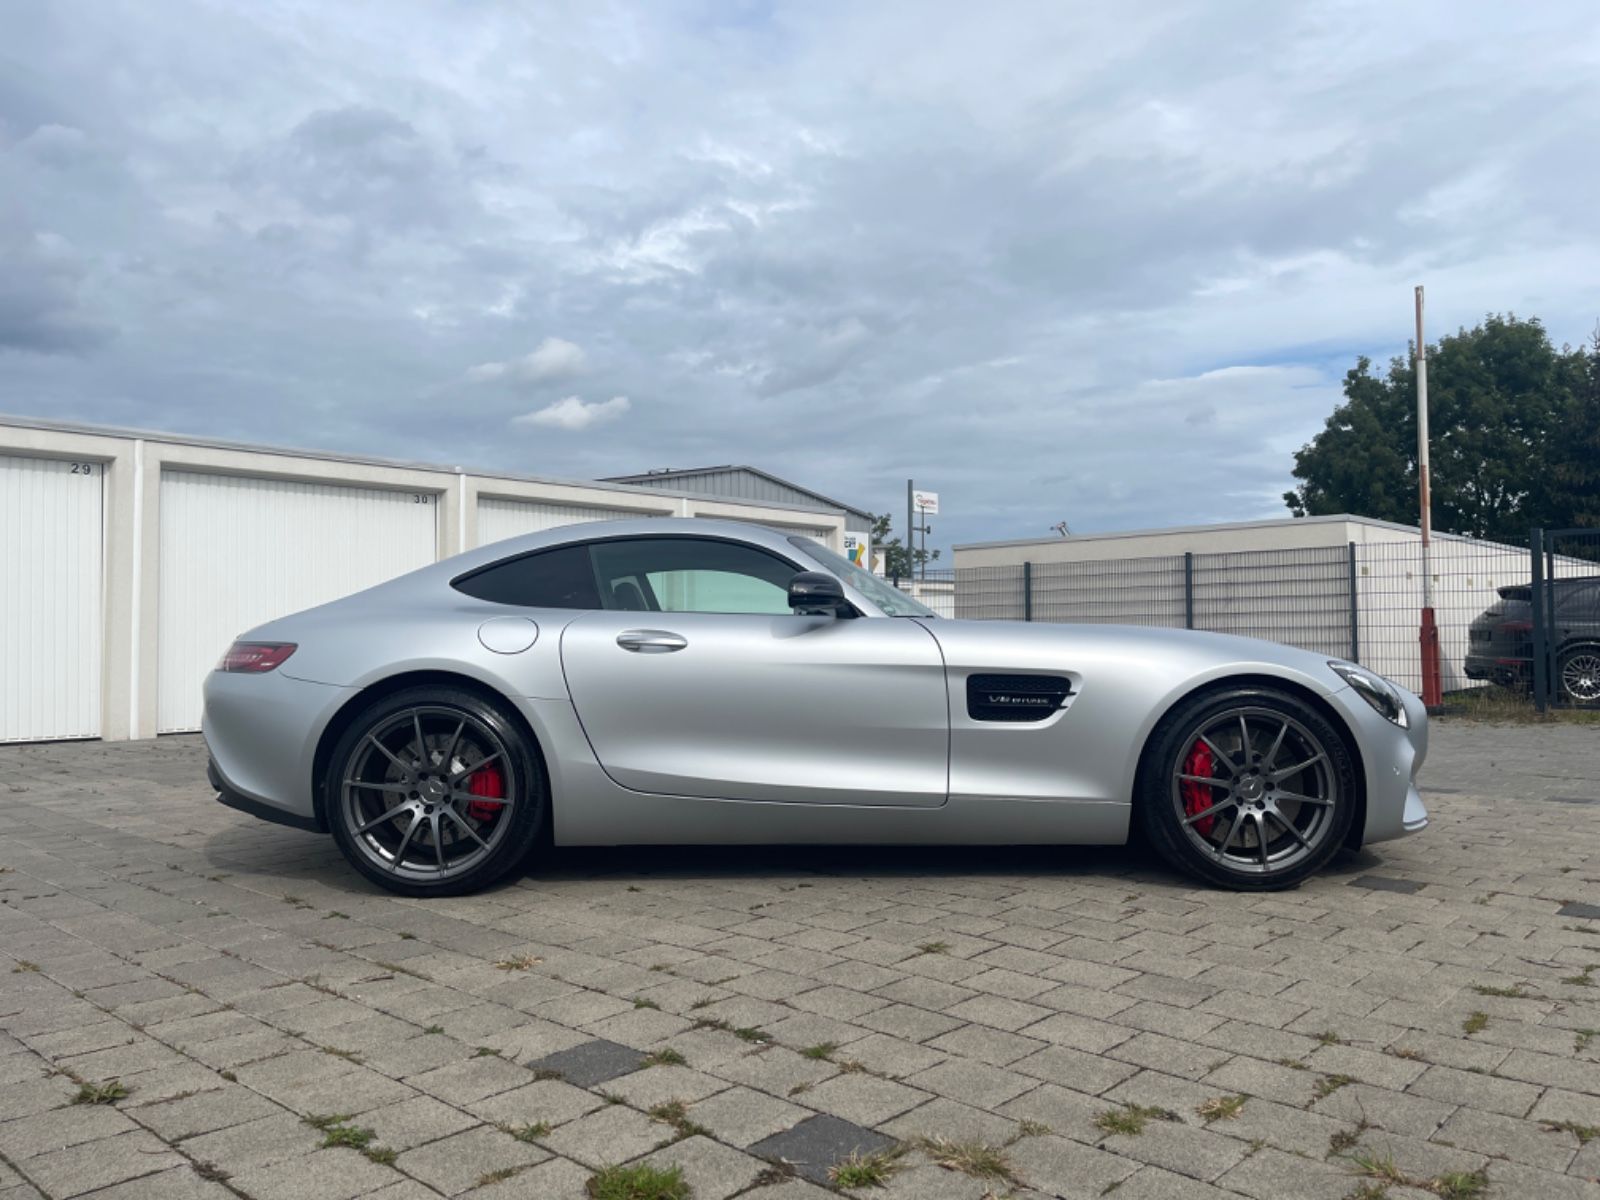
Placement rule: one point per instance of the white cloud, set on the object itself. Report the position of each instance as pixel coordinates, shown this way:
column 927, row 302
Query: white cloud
column 556, row 358
column 573, row 414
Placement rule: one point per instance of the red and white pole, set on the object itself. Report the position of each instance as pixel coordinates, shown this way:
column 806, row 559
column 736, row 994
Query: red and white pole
column 1432, row 689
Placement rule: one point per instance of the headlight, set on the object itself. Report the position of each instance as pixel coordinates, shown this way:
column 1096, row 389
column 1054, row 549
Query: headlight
column 1375, row 690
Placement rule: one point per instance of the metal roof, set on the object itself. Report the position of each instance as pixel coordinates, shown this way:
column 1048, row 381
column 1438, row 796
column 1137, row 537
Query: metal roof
column 650, row 478
column 1264, row 523
column 53, row 425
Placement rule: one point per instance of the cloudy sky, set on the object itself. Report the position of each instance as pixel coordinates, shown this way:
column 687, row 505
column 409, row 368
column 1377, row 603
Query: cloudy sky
column 1104, row 262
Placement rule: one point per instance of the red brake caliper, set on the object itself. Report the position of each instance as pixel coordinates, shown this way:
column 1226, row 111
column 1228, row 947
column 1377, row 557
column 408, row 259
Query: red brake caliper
column 488, row 783
column 1197, row 796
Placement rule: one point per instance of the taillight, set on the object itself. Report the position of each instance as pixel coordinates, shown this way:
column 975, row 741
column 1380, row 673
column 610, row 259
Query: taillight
column 1515, row 626
column 256, row 658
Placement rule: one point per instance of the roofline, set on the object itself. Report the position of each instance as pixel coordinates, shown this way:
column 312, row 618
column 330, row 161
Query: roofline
column 51, row 425
column 765, row 474
column 1263, row 523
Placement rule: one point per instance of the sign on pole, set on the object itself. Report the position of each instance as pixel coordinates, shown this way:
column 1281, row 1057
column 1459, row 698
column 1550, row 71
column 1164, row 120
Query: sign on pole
column 926, row 503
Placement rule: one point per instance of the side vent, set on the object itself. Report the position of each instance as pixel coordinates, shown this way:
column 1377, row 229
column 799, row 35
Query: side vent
column 1016, row 697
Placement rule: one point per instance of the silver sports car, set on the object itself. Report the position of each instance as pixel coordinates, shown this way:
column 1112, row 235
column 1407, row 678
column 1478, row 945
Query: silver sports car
column 695, row 681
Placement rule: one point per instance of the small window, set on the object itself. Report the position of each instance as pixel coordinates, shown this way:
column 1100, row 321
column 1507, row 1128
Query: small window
column 691, row 575
column 559, row 578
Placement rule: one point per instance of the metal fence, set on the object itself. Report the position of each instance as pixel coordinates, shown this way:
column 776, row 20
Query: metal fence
column 1360, row 601
column 1564, row 612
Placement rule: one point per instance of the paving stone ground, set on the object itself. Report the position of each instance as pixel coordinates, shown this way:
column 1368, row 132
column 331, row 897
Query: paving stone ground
column 281, row 1031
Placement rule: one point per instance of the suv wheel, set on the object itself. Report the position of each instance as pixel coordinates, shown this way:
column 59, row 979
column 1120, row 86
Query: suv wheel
column 1578, row 674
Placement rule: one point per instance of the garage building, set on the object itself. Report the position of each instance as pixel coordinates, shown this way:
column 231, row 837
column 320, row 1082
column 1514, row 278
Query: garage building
column 134, row 558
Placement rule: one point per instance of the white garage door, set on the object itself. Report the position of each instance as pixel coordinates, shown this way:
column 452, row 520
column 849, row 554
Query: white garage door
column 500, row 519
column 237, row 551
column 50, row 598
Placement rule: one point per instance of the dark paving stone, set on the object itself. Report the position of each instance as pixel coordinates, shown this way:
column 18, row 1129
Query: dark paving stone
column 1382, row 883
column 1575, row 909
column 1433, row 791
column 819, row 1142
column 1574, row 799
column 591, row 1063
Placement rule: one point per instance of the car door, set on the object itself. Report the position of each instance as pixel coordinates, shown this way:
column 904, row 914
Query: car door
column 697, row 680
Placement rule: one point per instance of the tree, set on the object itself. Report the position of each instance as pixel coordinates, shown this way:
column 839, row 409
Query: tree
column 896, row 563
column 1505, row 409
column 1574, row 476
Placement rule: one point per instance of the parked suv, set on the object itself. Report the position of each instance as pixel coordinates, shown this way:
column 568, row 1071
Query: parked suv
column 1500, row 641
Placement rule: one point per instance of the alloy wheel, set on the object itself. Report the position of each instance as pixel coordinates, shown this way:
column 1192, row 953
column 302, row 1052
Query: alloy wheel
column 1580, row 676
column 1255, row 790
column 427, row 793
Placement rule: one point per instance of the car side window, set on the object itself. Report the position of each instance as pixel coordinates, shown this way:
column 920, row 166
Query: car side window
column 690, row 575
column 558, row 578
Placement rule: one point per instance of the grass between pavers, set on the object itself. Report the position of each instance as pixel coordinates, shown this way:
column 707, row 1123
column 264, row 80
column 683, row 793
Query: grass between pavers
column 1220, row 1108
column 970, row 1158
column 676, row 1114
column 335, row 1132
column 1130, row 1119
column 865, row 1170
column 1452, row 1185
column 527, row 1133
column 666, row 1056
column 638, row 1182
column 521, row 962
column 1584, row 1133
column 1329, row 1084
column 1475, row 1023
column 108, row 1092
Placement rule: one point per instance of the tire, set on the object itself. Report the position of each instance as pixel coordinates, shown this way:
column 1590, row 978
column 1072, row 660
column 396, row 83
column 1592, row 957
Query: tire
column 1578, row 674
column 1203, row 810
column 447, row 826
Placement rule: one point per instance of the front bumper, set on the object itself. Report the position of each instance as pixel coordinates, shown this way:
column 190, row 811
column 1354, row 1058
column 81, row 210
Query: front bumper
column 1392, row 758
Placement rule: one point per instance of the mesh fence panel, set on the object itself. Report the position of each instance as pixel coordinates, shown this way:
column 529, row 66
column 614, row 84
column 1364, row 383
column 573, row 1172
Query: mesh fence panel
column 1466, row 579
column 989, row 593
column 1128, row 591
column 1300, row 597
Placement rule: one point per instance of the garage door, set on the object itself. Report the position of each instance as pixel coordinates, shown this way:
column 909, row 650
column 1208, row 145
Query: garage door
column 500, row 519
column 237, row 551
column 50, row 598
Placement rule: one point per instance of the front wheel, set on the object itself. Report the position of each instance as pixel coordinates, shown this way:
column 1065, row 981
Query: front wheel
column 1250, row 788
column 434, row 791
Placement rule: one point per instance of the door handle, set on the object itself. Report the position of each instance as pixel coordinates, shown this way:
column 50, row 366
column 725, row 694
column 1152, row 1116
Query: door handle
column 651, row 641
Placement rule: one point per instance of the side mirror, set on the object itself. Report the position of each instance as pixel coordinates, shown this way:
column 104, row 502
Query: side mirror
column 817, row 592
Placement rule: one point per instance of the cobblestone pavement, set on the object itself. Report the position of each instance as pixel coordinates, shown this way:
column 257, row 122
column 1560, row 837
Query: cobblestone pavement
column 1420, row 1019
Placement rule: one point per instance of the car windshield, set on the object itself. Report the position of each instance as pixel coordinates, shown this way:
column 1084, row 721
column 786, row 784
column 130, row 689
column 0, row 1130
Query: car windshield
column 890, row 599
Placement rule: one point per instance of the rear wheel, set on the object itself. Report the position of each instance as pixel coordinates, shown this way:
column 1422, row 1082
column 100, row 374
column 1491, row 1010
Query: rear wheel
column 434, row 792
column 1250, row 788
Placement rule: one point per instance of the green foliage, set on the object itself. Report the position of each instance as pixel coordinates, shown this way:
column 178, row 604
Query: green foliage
column 100, row 1093
column 896, row 562
column 639, row 1182
column 1515, row 437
